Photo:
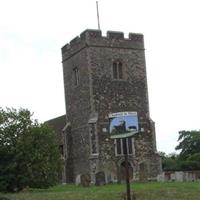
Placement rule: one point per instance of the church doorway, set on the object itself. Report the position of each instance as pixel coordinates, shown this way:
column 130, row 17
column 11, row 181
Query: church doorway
column 122, row 171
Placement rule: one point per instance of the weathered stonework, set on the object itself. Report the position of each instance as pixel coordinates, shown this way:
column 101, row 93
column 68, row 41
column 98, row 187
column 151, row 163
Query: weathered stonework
column 92, row 93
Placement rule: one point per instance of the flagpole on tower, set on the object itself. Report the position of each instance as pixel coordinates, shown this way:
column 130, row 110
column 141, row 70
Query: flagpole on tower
column 98, row 15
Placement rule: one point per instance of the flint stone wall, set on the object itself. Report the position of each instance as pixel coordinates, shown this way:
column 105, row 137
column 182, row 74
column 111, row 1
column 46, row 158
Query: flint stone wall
column 99, row 93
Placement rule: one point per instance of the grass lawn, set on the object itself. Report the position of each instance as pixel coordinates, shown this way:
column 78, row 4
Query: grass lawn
column 144, row 191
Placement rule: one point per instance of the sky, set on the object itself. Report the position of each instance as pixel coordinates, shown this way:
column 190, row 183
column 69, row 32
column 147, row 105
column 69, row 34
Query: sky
column 32, row 33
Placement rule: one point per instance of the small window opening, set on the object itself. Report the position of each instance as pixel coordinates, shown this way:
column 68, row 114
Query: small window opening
column 117, row 70
column 76, row 76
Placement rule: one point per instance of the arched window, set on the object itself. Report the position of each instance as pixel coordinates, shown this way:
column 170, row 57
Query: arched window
column 117, row 70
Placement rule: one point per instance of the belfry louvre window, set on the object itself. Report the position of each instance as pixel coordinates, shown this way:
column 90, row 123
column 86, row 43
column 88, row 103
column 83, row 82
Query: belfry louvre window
column 117, row 70
column 76, row 76
column 119, row 149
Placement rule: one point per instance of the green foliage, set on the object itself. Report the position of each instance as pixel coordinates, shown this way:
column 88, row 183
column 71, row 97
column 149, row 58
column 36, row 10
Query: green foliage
column 191, row 163
column 178, row 163
column 44, row 163
column 189, row 143
column 189, row 157
column 28, row 151
column 13, row 124
column 187, row 165
column 171, row 162
column 195, row 157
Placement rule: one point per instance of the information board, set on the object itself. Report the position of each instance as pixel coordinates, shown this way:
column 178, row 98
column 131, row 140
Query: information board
column 123, row 124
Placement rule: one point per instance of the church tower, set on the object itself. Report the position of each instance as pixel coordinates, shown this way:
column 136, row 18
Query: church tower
column 104, row 75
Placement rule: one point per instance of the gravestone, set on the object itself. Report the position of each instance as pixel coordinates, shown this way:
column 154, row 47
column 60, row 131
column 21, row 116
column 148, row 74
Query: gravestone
column 100, row 178
column 85, row 180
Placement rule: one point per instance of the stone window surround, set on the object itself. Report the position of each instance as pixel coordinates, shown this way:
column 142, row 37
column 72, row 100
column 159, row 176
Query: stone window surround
column 121, row 142
column 117, row 70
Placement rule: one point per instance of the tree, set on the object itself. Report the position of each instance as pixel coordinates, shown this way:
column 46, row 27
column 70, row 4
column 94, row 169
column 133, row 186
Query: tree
column 28, row 151
column 40, row 156
column 195, row 157
column 189, row 157
column 191, row 163
column 170, row 162
column 189, row 143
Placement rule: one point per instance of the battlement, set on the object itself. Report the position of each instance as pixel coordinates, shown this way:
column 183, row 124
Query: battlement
column 113, row 39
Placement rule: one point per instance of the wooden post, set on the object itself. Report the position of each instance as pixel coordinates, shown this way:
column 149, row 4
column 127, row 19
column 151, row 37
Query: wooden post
column 128, row 191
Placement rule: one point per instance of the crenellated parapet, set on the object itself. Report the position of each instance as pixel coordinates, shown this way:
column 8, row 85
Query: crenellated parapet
column 94, row 38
